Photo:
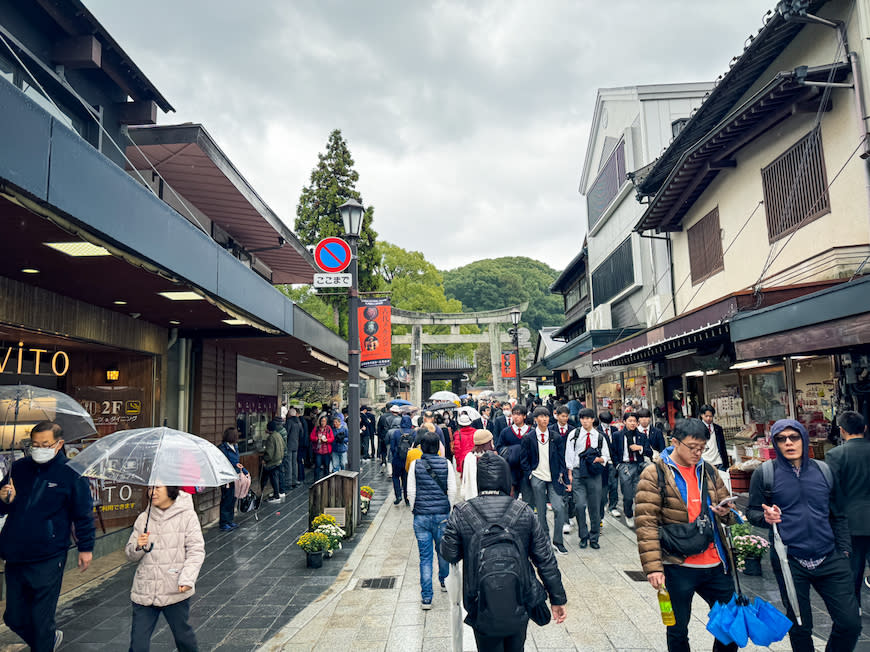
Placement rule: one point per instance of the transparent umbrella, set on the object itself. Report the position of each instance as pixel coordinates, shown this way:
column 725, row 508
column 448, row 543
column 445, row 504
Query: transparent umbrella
column 23, row 406
column 445, row 396
column 155, row 456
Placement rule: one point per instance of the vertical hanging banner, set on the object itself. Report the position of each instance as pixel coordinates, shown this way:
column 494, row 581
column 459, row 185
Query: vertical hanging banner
column 508, row 364
column 375, row 332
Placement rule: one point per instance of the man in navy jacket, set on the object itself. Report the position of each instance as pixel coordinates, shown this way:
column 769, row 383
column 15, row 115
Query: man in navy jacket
column 655, row 435
column 630, row 453
column 43, row 498
column 543, row 463
column 807, row 510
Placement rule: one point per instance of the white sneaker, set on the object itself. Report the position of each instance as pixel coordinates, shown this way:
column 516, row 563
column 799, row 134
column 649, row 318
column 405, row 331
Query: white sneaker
column 549, row 507
column 629, row 522
column 274, row 500
column 58, row 639
column 566, row 529
column 615, row 513
column 282, row 495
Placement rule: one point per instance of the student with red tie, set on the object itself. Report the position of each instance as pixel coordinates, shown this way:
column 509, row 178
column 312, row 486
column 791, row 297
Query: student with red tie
column 715, row 453
column 586, row 456
column 485, row 422
column 543, row 464
column 630, row 451
column 507, row 443
column 656, row 437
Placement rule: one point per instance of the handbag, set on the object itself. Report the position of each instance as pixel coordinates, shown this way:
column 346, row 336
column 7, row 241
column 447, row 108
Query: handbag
column 685, row 539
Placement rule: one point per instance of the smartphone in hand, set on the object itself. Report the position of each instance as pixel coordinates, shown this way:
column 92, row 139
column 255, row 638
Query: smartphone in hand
column 727, row 502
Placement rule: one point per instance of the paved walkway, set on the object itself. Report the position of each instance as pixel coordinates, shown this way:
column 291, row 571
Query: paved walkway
column 253, row 582
column 607, row 610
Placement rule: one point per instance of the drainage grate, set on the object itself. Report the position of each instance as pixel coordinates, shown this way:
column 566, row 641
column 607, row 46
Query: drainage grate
column 636, row 575
column 378, row 583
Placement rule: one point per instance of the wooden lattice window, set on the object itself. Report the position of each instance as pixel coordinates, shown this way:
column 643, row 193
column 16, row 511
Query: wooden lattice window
column 705, row 247
column 796, row 187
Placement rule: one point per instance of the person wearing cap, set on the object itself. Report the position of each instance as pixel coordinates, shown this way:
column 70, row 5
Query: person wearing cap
column 431, row 495
column 543, row 463
column 483, row 443
column 805, row 503
column 463, row 440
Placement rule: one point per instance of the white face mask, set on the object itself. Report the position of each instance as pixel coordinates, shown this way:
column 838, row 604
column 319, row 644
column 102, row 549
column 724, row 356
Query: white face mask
column 42, row 455
column 506, row 413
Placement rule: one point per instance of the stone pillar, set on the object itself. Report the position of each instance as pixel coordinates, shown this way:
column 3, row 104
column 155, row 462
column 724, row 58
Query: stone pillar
column 417, row 364
column 495, row 356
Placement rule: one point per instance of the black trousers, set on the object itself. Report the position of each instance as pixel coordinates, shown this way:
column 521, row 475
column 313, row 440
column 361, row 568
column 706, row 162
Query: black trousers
column 859, row 559
column 683, row 582
column 365, row 446
column 271, row 475
column 177, row 616
column 228, row 504
column 832, row 580
column 514, row 643
column 32, row 591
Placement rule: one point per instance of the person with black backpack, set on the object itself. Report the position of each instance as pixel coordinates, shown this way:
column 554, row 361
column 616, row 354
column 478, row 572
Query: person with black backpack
column 401, row 441
column 497, row 536
column 801, row 498
column 431, row 492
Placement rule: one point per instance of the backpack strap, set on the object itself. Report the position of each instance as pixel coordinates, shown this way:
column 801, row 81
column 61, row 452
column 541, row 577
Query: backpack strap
column 767, row 470
column 431, row 473
column 826, row 471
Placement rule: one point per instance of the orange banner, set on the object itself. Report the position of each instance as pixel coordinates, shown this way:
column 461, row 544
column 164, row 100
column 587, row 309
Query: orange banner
column 509, row 365
column 375, row 334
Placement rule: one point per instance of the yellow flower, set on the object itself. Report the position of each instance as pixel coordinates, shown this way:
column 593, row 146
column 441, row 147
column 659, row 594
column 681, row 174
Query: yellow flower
column 323, row 519
column 313, row 542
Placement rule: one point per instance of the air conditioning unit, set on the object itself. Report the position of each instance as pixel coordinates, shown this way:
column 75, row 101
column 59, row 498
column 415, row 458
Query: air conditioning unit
column 599, row 319
column 657, row 309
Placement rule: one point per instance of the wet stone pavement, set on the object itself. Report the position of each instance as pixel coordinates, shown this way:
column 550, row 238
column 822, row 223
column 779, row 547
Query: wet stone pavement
column 252, row 583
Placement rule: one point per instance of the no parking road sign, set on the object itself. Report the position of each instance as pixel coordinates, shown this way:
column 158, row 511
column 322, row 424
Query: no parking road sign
column 332, row 255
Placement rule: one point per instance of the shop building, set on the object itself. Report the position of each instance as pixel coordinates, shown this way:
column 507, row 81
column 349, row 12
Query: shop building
column 130, row 292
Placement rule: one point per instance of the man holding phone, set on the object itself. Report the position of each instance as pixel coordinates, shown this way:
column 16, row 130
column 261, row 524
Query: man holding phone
column 680, row 487
column 803, row 500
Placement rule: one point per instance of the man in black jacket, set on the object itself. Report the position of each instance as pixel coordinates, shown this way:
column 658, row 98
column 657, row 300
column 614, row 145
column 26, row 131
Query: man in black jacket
column 485, row 421
column 655, row 435
column 43, row 499
column 850, row 464
column 715, row 453
column 493, row 502
column 630, row 452
column 806, row 506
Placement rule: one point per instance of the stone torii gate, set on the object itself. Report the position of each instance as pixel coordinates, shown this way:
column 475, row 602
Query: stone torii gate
column 417, row 339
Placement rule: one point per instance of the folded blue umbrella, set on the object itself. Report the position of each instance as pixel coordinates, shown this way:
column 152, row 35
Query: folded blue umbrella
column 766, row 624
column 720, row 618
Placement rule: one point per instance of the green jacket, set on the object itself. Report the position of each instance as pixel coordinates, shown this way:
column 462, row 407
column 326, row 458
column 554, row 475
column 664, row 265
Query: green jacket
column 274, row 451
column 850, row 462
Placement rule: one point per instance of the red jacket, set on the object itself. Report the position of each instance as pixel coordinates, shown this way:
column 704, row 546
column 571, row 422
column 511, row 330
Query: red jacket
column 463, row 444
column 323, row 447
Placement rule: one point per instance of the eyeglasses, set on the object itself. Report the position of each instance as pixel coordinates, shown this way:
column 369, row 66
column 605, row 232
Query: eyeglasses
column 34, row 444
column 696, row 450
column 780, row 439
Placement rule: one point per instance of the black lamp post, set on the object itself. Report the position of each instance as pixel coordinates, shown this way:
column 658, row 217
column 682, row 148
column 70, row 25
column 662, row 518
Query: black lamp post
column 352, row 217
column 515, row 334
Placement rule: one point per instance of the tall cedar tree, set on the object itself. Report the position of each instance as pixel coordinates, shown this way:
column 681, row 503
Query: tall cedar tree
column 333, row 182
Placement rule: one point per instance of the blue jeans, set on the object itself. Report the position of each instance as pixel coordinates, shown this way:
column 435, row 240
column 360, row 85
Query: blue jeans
column 339, row 461
column 429, row 528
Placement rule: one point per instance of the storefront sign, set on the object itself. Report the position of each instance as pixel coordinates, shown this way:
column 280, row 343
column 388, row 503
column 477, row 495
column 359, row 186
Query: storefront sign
column 508, row 364
column 112, row 406
column 375, row 332
column 25, row 360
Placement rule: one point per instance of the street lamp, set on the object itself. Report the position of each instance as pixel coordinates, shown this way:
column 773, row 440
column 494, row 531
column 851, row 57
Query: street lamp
column 352, row 218
column 515, row 333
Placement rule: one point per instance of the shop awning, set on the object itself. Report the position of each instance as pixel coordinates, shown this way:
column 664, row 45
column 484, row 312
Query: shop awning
column 780, row 98
column 566, row 357
column 825, row 321
column 193, row 164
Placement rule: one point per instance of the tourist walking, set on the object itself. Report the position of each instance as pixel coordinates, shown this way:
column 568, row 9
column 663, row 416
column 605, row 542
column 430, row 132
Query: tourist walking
column 715, row 453
column 543, row 463
column 169, row 555
column 609, row 479
column 586, row 456
column 655, row 435
column 677, row 489
column 801, row 497
column 850, row 464
column 482, row 444
column 401, row 441
column 507, row 443
column 431, row 494
column 463, row 439
column 321, row 441
column 493, row 517
column 36, row 535
column 630, row 452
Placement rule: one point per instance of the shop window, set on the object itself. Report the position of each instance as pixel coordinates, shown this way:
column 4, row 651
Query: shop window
column 606, row 186
column 765, row 394
column 723, row 393
column 608, row 394
column 614, row 275
column 796, row 187
column 705, row 247
column 814, row 394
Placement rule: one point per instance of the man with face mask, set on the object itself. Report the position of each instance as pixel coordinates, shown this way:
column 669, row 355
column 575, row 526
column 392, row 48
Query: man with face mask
column 43, row 498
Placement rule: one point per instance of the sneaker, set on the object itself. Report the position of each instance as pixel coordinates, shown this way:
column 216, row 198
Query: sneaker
column 274, row 500
column 629, row 521
column 615, row 513
column 443, row 588
column 226, row 527
column 549, row 507
column 426, row 605
column 407, row 503
column 594, row 545
column 283, row 494
column 234, row 525
column 584, row 542
column 397, row 501
column 560, row 548
column 58, row 638
column 566, row 529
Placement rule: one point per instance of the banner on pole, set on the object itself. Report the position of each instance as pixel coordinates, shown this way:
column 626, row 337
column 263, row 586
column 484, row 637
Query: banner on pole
column 375, row 332
column 508, row 364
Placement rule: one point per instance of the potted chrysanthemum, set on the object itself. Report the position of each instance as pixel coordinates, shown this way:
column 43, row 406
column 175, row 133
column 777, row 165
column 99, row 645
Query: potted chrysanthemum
column 365, row 498
column 314, row 544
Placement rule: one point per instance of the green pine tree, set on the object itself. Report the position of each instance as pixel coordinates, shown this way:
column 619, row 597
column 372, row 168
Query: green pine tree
column 333, row 182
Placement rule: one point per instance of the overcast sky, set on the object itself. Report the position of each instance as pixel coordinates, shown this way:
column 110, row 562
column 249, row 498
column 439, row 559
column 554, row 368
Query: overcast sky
column 468, row 121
